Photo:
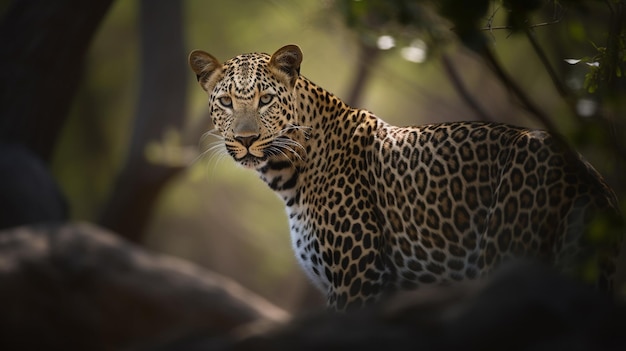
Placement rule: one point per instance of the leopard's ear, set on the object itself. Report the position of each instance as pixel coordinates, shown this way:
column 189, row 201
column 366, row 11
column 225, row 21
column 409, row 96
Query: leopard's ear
column 286, row 61
column 204, row 65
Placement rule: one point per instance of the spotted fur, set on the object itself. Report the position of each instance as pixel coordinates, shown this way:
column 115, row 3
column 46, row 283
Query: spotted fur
column 374, row 207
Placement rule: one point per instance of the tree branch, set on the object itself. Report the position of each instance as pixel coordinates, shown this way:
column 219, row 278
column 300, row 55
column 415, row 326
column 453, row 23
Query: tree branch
column 517, row 92
column 565, row 94
column 368, row 55
column 462, row 90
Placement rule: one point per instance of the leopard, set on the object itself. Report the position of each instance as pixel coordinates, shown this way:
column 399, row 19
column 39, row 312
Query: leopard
column 375, row 208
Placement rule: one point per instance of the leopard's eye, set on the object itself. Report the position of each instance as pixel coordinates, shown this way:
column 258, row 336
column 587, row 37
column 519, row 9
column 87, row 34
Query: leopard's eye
column 226, row 101
column 265, row 99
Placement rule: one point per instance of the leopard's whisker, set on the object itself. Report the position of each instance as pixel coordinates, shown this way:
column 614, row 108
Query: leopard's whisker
column 291, row 148
column 215, row 151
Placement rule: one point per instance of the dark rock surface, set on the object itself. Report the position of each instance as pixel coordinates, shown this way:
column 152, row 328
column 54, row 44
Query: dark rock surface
column 79, row 287
column 524, row 306
column 28, row 193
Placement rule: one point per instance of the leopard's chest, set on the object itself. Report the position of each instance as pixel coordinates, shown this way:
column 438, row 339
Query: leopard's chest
column 307, row 247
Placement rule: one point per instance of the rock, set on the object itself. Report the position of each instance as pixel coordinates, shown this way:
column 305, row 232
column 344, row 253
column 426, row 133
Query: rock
column 524, row 306
column 29, row 193
column 77, row 286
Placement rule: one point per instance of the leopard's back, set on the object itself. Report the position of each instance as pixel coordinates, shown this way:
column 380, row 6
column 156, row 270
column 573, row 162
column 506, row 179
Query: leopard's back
column 468, row 195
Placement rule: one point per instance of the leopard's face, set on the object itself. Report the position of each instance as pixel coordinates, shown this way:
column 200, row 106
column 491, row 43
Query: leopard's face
column 252, row 105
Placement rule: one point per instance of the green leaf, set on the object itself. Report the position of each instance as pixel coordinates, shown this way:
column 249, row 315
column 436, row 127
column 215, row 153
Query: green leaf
column 572, row 61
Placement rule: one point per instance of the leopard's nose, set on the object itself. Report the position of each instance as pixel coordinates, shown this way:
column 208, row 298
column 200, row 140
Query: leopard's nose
column 247, row 140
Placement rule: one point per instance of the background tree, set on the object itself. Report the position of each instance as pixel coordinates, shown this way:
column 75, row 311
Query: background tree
column 41, row 58
column 41, row 64
column 161, row 107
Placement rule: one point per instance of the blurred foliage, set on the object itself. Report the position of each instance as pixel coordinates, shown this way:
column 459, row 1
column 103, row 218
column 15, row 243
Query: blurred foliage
column 403, row 18
column 601, row 67
column 433, row 21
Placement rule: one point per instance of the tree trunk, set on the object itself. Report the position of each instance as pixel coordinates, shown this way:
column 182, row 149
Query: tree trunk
column 368, row 56
column 161, row 107
column 41, row 61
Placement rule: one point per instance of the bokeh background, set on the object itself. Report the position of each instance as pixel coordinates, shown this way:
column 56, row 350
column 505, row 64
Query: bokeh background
column 130, row 152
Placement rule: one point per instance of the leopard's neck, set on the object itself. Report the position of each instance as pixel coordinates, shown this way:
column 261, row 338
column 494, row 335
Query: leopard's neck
column 325, row 121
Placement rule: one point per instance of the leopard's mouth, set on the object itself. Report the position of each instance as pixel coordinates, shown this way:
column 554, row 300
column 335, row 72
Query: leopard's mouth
column 257, row 154
column 251, row 161
column 248, row 156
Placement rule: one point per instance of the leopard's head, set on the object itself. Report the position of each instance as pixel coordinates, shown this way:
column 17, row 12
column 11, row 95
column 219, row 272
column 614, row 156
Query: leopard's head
column 252, row 103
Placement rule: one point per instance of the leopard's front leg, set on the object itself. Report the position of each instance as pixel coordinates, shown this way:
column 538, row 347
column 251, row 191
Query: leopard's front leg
column 358, row 278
